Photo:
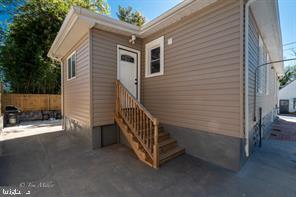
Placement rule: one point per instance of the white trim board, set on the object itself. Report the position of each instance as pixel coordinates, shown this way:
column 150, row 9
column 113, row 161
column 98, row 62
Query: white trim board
column 159, row 42
column 86, row 19
column 67, row 61
column 138, row 64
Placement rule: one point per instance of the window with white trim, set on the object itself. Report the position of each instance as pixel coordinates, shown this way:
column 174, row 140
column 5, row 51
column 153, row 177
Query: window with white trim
column 268, row 71
column 154, row 58
column 71, row 66
column 262, row 71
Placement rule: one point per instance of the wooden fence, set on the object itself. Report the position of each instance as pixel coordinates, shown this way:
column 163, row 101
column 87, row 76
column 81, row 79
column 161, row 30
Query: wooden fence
column 31, row 102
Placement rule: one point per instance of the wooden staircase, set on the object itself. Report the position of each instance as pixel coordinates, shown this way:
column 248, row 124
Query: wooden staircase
column 151, row 143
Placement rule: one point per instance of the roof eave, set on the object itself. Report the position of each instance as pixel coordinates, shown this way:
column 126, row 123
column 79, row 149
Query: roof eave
column 90, row 19
column 61, row 33
column 173, row 15
column 267, row 17
column 107, row 23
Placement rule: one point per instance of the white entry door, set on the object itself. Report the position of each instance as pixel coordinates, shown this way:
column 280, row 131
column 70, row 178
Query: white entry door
column 128, row 69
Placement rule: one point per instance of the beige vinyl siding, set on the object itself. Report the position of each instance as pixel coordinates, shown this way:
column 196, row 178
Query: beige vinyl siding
column 104, row 73
column 266, row 101
column 77, row 90
column 200, row 88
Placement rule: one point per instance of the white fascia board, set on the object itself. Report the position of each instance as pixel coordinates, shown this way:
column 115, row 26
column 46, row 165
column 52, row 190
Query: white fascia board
column 165, row 15
column 185, row 8
column 266, row 14
column 108, row 21
column 90, row 19
column 67, row 22
column 110, row 24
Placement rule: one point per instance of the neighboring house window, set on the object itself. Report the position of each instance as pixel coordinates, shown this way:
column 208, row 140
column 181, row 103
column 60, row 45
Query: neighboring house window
column 155, row 58
column 71, row 63
column 294, row 103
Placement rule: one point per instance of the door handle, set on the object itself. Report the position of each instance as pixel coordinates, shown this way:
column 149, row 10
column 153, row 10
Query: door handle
column 136, row 81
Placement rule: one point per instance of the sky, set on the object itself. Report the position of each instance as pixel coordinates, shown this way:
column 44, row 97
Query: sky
column 149, row 8
column 288, row 26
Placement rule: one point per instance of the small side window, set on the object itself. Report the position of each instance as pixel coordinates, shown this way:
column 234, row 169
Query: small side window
column 155, row 58
column 71, row 61
column 294, row 103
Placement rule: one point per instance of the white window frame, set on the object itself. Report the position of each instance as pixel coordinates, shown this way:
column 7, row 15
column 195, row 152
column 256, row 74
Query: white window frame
column 260, row 71
column 159, row 42
column 268, row 68
column 70, row 56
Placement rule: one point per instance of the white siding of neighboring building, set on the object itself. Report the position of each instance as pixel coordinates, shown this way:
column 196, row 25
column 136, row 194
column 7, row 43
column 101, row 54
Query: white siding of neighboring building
column 289, row 93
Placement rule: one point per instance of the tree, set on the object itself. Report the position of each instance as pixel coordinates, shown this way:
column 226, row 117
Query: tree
column 290, row 72
column 23, row 54
column 130, row 16
column 2, row 35
column 290, row 75
column 100, row 6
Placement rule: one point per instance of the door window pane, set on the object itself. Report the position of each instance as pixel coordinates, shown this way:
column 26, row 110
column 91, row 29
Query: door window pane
column 127, row 58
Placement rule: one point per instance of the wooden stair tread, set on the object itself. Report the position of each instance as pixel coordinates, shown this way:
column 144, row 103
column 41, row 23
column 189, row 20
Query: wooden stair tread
column 162, row 136
column 163, row 133
column 148, row 139
column 166, row 142
column 135, row 145
column 164, row 157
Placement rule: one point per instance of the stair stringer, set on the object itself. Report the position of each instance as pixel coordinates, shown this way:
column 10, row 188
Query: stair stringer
column 132, row 140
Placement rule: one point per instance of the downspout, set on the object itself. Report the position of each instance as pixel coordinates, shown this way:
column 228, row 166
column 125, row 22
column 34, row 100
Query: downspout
column 247, row 6
column 62, row 96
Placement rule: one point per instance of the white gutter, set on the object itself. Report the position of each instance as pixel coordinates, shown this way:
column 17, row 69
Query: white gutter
column 60, row 34
column 165, row 15
column 247, row 6
column 107, row 23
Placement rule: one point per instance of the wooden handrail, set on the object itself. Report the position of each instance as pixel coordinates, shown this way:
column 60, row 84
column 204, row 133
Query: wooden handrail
column 140, row 121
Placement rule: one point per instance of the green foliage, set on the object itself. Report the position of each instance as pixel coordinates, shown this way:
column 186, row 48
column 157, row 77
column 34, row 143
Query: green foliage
column 2, row 35
column 290, row 75
column 130, row 16
column 23, row 55
column 100, row 6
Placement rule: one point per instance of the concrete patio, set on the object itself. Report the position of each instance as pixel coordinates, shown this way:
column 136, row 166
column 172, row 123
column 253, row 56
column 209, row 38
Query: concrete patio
column 61, row 165
column 29, row 128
